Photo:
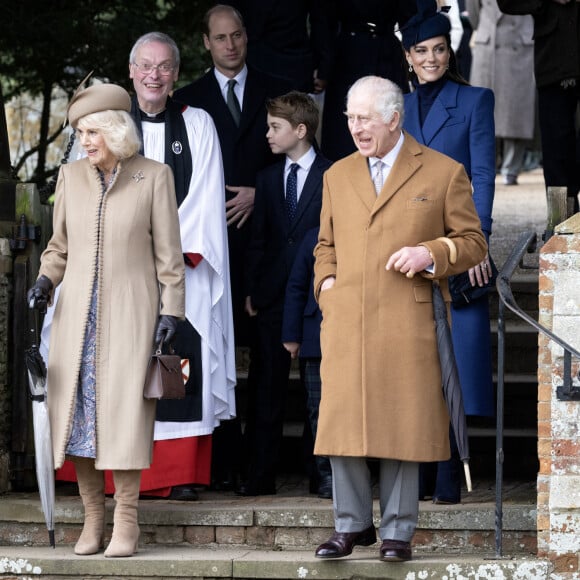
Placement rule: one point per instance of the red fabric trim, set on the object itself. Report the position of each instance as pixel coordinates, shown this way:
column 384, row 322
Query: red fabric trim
column 192, row 260
column 175, row 462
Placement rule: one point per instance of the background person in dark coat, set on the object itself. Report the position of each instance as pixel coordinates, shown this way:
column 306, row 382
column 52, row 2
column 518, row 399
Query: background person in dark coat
column 362, row 42
column 244, row 151
column 286, row 39
column 277, row 230
column 464, row 50
column 557, row 72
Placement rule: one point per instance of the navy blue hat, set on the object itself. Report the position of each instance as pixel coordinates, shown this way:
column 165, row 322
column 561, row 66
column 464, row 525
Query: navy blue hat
column 427, row 23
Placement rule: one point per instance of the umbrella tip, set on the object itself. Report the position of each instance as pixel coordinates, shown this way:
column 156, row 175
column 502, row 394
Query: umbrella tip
column 467, row 475
column 51, row 538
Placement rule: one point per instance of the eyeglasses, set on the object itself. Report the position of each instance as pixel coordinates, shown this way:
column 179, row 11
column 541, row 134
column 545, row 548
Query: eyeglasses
column 147, row 68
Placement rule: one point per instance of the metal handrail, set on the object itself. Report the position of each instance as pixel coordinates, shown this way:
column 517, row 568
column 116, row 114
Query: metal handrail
column 526, row 243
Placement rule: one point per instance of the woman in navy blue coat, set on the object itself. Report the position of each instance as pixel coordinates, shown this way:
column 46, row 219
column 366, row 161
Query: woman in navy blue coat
column 446, row 114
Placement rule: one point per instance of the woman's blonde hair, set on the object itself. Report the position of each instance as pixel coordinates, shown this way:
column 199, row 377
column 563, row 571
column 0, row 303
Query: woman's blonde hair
column 118, row 130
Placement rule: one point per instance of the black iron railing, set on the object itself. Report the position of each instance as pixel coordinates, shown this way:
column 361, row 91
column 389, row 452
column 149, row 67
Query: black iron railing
column 526, row 243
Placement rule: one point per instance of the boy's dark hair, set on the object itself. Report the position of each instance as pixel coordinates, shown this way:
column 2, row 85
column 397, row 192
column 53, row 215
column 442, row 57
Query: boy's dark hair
column 297, row 108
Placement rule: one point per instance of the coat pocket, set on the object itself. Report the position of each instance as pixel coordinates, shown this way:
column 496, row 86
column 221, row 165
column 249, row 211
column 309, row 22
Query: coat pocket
column 423, row 292
column 482, row 37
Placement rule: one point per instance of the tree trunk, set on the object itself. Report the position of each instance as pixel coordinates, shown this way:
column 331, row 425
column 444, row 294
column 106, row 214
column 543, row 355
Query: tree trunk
column 39, row 175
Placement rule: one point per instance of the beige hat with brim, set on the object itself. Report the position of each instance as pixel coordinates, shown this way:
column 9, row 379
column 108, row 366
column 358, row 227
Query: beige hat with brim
column 96, row 98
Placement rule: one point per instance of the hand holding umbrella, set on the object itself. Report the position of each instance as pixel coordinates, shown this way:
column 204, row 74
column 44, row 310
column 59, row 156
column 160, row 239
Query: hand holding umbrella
column 42, row 437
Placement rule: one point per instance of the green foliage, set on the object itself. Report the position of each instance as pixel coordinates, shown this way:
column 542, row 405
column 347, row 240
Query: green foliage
column 23, row 206
column 48, row 44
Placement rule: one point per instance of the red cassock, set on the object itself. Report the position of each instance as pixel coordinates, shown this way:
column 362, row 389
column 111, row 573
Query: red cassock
column 175, row 462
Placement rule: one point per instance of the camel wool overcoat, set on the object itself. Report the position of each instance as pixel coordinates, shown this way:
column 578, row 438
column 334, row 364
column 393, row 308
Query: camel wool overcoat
column 381, row 378
column 128, row 240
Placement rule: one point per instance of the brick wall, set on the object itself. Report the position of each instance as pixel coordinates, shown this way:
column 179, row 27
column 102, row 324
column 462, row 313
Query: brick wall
column 559, row 421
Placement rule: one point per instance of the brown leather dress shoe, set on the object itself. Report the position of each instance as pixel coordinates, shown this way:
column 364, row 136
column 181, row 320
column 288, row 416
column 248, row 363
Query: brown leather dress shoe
column 340, row 544
column 395, row 551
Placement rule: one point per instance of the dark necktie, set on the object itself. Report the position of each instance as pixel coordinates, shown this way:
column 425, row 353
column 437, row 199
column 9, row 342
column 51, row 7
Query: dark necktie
column 292, row 191
column 233, row 103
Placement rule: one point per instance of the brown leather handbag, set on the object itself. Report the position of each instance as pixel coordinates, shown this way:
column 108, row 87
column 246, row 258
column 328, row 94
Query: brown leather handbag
column 164, row 379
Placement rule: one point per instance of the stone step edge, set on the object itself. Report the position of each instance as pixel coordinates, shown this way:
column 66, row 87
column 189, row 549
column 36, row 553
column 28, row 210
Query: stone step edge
column 294, row 512
column 192, row 562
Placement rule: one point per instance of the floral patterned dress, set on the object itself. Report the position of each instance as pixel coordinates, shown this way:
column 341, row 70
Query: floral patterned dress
column 83, row 441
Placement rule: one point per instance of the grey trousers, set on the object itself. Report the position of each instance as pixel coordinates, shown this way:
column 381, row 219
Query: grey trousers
column 398, row 496
column 514, row 152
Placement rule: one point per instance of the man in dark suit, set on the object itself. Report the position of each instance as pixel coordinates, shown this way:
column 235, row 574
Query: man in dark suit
column 243, row 141
column 242, row 136
column 288, row 202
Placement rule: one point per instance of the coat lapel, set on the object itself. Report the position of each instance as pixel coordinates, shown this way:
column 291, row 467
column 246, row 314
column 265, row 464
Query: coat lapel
column 439, row 113
column 214, row 98
column 280, row 198
column 406, row 164
column 412, row 120
column 254, row 99
column 311, row 186
column 359, row 176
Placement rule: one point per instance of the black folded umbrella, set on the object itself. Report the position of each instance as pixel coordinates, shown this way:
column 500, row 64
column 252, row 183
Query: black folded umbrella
column 450, row 380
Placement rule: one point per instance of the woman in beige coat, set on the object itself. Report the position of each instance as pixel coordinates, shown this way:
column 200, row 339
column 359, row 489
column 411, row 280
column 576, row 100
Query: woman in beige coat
column 116, row 253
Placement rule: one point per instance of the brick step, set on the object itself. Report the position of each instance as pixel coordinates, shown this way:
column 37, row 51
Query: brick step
column 288, row 521
column 514, row 327
column 525, row 290
column 192, row 562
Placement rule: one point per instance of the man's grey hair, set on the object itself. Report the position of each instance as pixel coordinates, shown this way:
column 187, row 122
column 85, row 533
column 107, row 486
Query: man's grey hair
column 387, row 96
column 156, row 37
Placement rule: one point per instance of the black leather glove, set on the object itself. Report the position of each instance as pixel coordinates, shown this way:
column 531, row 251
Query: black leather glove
column 39, row 294
column 166, row 327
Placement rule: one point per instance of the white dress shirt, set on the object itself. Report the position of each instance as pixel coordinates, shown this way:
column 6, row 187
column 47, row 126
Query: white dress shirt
column 239, row 87
column 388, row 160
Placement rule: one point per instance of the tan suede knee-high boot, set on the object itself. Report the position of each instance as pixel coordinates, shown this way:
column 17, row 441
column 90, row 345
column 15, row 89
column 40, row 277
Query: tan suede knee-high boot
column 92, row 491
column 125, row 527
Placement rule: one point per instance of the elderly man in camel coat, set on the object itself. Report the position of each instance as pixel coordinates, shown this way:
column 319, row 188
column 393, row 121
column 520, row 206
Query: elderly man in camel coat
column 395, row 216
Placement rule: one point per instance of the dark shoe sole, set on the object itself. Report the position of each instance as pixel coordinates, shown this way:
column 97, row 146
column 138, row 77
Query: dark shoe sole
column 395, row 558
column 369, row 540
column 440, row 501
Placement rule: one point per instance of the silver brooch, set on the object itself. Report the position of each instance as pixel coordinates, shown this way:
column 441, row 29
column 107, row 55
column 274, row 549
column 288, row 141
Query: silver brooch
column 138, row 176
column 177, row 147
